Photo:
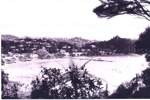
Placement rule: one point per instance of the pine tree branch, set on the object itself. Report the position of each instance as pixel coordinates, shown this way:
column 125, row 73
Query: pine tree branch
column 145, row 12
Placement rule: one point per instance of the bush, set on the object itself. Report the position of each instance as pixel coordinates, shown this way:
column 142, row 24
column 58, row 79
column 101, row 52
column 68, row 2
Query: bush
column 59, row 55
column 10, row 54
column 70, row 85
column 22, row 58
column 139, row 87
column 2, row 62
column 42, row 53
column 28, row 56
column 48, row 56
column 142, row 44
column 147, row 56
column 146, row 77
column 9, row 89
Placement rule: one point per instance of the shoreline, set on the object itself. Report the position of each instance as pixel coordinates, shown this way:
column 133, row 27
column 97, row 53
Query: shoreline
column 26, row 71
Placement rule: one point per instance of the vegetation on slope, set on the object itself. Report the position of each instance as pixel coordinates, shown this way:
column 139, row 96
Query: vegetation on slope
column 138, row 87
column 8, row 37
column 117, row 44
column 9, row 89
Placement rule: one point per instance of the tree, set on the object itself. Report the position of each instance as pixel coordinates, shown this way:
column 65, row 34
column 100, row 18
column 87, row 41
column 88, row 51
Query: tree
column 142, row 44
column 10, row 54
column 141, row 87
column 42, row 53
column 146, row 77
column 111, row 8
column 9, row 89
column 2, row 62
column 75, row 83
column 138, row 87
column 121, row 45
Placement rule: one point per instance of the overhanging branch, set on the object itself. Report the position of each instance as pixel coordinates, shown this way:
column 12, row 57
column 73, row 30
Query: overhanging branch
column 145, row 12
column 111, row 8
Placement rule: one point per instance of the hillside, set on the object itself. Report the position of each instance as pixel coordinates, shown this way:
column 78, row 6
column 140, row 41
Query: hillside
column 78, row 41
column 116, row 44
column 8, row 37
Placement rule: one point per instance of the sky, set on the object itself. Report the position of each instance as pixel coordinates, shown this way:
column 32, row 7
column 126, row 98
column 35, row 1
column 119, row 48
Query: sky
column 66, row 19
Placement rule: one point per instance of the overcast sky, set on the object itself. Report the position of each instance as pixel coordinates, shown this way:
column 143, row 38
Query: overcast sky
column 64, row 18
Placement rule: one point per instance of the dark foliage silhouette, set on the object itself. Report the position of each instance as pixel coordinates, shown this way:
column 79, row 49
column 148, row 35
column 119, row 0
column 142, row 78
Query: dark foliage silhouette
column 142, row 44
column 146, row 77
column 116, row 44
column 9, row 89
column 31, row 45
column 111, row 8
column 69, row 85
column 144, row 92
column 139, row 87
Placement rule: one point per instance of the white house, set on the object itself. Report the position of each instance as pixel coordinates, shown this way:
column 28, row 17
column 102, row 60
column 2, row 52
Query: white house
column 62, row 51
column 67, row 54
column 34, row 56
column 77, row 53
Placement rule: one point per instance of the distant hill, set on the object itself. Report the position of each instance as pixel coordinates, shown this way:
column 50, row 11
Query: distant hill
column 120, row 45
column 8, row 37
column 116, row 43
column 78, row 41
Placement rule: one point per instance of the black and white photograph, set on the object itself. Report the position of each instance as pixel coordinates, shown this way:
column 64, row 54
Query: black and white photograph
column 75, row 49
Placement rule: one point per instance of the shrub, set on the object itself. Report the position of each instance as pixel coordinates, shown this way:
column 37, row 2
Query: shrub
column 28, row 56
column 59, row 55
column 69, row 85
column 139, row 87
column 10, row 54
column 2, row 62
column 42, row 53
column 142, row 44
column 125, row 90
column 9, row 89
column 146, row 77
column 22, row 58
column 147, row 56
column 48, row 56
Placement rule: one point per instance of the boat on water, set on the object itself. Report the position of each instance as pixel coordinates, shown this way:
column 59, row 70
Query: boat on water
column 99, row 59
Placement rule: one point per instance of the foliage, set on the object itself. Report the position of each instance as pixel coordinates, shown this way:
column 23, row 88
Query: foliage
column 70, row 85
column 111, row 8
column 2, row 62
column 8, row 37
column 10, row 54
column 42, row 53
column 147, row 56
column 121, row 45
column 55, row 47
column 139, row 87
column 117, row 44
column 146, row 77
column 21, row 58
column 28, row 56
column 142, row 44
column 59, row 55
column 9, row 89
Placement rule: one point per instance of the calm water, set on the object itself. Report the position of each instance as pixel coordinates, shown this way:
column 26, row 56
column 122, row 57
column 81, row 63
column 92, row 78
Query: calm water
column 121, row 69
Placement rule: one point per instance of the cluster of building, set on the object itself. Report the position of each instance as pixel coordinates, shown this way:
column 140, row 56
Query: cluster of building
column 25, row 49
